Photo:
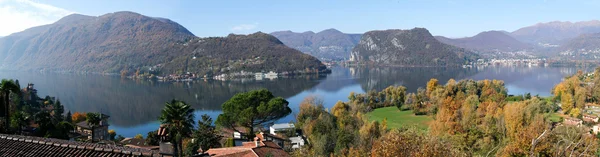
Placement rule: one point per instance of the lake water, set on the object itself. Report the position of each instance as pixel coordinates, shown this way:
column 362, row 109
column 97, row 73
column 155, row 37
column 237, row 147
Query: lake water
column 134, row 106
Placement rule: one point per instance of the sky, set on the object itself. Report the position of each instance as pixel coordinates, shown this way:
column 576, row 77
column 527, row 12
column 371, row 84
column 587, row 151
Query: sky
column 450, row 18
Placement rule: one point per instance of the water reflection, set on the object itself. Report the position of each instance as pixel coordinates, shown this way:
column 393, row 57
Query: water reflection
column 410, row 77
column 134, row 106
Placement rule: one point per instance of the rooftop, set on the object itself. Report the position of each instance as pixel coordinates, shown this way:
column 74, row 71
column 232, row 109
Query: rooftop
column 283, row 126
column 84, row 124
column 16, row 145
column 250, row 149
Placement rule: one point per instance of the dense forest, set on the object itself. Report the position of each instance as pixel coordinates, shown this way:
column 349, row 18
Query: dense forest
column 235, row 53
column 470, row 118
column 414, row 47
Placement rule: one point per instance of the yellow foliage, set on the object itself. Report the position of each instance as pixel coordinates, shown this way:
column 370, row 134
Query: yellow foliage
column 576, row 112
column 340, row 108
column 431, row 85
column 566, row 102
column 139, row 136
column 78, row 117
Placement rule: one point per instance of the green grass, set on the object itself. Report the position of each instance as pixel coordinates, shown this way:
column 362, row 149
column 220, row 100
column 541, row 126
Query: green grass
column 554, row 117
column 397, row 118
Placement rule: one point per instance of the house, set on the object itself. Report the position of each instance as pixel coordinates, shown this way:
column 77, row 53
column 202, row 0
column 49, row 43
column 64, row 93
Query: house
column 256, row 148
column 165, row 146
column 573, row 121
column 596, row 129
column 592, row 106
column 278, row 128
column 238, row 136
column 297, row 142
column 138, row 143
column 29, row 93
column 17, row 145
column 590, row 118
column 100, row 131
column 271, row 75
column 272, row 138
column 259, row 76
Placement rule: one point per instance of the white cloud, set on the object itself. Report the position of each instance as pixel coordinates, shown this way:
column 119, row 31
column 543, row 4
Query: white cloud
column 244, row 27
column 18, row 15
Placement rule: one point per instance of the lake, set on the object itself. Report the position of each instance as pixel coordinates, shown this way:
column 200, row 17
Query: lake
column 134, row 105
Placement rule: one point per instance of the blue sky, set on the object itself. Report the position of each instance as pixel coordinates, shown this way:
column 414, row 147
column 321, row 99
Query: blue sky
column 452, row 18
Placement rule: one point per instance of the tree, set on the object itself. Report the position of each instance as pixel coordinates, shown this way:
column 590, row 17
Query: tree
column 178, row 117
column 18, row 121
column 205, row 137
column 78, row 117
column 59, row 109
column 251, row 109
column 229, row 142
column 44, row 121
column 119, row 138
column 431, row 85
column 68, row 117
column 152, row 138
column 7, row 87
column 112, row 134
column 139, row 136
column 567, row 102
column 412, row 143
column 93, row 120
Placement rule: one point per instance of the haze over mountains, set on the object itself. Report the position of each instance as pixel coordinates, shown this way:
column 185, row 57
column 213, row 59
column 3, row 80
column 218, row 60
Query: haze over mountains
column 329, row 44
column 128, row 42
column 487, row 41
column 586, row 46
column 556, row 32
column 542, row 39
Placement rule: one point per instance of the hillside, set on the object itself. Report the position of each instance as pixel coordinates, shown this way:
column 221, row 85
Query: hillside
column 234, row 53
column 329, row 44
column 555, row 33
column 127, row 41
column 586, row 46
column 414, row 47
column 489, row 41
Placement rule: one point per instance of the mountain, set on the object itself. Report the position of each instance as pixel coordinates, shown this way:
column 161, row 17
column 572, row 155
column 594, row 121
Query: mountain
column 251, row 53
column 555, row 33
column 127, row 42
column 586, row 46
column 329, row 44
column 489, row 41
column 414, row 47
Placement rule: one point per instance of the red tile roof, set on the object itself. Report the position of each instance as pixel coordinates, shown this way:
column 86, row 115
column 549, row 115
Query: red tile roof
column 16, row 145
column 249, row 149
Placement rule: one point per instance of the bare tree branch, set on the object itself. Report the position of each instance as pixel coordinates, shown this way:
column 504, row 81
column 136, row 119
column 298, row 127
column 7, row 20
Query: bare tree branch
column 534, row 142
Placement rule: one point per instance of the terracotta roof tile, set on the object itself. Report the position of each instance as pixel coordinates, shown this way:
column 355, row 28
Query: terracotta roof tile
column 16, row 145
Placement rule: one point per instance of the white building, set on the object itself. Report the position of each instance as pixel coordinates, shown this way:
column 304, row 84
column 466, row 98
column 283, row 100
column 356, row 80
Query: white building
column 281, row 127
column 259, row 76
column 297, row 142
column 271, row 75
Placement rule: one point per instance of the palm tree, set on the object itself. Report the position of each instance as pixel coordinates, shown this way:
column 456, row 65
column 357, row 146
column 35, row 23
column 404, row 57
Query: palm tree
column 93, row 120
column 178, row 117
column 6, row 88
column 20, row 120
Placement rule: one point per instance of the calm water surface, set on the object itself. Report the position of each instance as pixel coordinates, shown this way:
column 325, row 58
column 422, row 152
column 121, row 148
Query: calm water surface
column 134, row 106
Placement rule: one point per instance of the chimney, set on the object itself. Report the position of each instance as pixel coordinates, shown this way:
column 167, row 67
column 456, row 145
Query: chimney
column 256, row 142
